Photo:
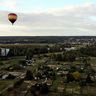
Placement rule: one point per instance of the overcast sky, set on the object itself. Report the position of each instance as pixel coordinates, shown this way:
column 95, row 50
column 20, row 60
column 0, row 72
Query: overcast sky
column 48, row 17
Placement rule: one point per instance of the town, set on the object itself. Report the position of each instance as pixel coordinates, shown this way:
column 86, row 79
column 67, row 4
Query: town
column 73, row 40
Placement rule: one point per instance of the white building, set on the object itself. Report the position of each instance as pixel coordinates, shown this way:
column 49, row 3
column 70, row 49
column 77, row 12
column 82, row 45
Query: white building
column 4, row 51
column 69, row 49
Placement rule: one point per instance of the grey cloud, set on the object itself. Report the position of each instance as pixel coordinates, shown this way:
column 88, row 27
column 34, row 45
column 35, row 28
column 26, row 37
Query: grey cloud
column 73, row 20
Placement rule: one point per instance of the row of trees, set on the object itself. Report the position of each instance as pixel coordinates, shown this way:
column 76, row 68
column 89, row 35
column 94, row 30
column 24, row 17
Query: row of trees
column 63, row 57
column 30, row 50
column 73, row 76
column 89, row 51
column 41, row 88
column 76, row 76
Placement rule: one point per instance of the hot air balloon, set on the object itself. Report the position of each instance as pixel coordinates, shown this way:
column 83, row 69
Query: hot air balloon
column 12, row 17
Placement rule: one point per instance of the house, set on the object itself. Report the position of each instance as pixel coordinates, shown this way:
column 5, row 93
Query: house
column 69, row 49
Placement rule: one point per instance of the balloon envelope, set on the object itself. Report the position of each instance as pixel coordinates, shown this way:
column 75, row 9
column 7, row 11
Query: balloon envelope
column 12, row 17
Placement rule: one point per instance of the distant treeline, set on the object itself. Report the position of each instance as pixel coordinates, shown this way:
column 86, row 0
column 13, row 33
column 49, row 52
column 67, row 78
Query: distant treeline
column 39, row 39
column 89, row 50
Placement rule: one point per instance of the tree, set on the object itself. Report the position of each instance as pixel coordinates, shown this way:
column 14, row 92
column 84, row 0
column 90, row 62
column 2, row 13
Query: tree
column 29, row 75
column 82, row 83
column 44, row 89
column 70, row 77
column 64, row 57
column 1, row 63
column 59, row 57
column 18, row 83
column 76, row 76
column 38, row 75
column 38, row 86
column 88, row 79
column 53, row 56
column 10, row 76
column 30, row 53
column 33, row 90
column 70, row 57
column 72, row 69
column 88, row 58
column 0, row 51
column 43, row 49
column 22, row 62
column 16, row 67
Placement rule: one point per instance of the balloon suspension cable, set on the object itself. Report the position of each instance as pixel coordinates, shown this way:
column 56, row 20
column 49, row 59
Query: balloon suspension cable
column 12, row 23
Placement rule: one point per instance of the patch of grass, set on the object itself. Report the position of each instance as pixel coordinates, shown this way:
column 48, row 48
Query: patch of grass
column 13, row 61
column 57, row 82
column 5, row 83
column 93, row 60
column 73, row 84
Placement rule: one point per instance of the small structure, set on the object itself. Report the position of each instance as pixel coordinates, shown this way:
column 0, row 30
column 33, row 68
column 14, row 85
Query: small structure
column 69, row 49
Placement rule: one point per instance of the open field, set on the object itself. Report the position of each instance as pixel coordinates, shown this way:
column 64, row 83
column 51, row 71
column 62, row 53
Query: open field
column 1, row 45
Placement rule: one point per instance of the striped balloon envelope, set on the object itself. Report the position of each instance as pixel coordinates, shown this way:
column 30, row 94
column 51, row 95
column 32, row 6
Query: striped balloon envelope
column 12, row 17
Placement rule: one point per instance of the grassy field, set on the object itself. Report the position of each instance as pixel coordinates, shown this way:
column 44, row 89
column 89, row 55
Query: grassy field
column 57, row 82
column 14, row 60
column 7, row 63
column 4, row 84
column 93, row 60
